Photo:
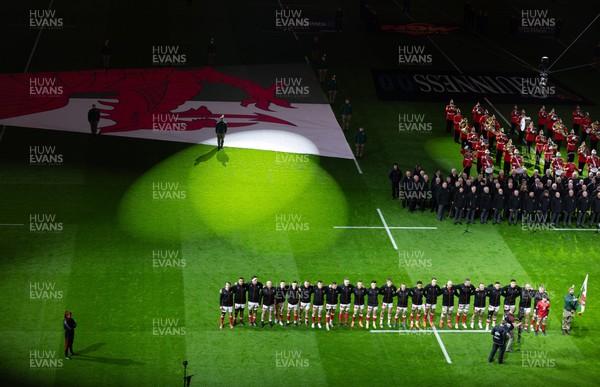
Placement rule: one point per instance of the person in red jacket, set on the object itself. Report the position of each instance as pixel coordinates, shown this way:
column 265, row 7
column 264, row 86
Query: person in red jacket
column 457, row 120
column 482, row 147
column 540, row 143
column 582, row 154
column 572, row 141
column 586, row 123
column 468, row 157
column 514, row 120
column 594, row 134
column 577, row 116
column 450, row 112
column 560, row 132
column 477, row 112
column 530, row 136
column 501, row 139
column 542, row 117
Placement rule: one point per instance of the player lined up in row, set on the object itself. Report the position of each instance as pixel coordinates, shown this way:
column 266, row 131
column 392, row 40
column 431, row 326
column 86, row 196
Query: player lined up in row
column 307, row 301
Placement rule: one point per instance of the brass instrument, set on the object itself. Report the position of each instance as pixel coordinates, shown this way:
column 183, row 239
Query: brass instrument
column 464, row 126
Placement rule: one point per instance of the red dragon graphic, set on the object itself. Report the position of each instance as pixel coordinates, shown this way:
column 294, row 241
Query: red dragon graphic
column 139, row 94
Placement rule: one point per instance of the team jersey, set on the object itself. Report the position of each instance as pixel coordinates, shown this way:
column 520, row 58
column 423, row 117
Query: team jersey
column 542, row 309
column 226, row 297
column 448, row 294
column 345, row 293
column 359, row 295
column 494, row 295
column 373, row 296
column 479, row 298
column 318, row 295
column 305, row 292
column 254, row 292
column 464, row 292
column 280, row 294
column 331, row 296
column 267, row 296
column 417, row 295
column 388, row 293
column 293, row 295
column 403, row 296
column 511, row 294
column 239, row 292
column 526, row 298
column 431, row 293
column 538, row 297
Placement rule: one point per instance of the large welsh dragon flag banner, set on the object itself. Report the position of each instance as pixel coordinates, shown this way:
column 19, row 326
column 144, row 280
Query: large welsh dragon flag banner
column 277, row 108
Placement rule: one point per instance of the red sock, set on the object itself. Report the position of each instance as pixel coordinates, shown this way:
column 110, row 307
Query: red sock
column 230, row 320
column 537, row 326
column 464, row 318
column 403, row 319
column 411, row 317
column 288, row 318
column 340, row 318
column 295, row 318
column 313, row 320
column 319, row 319
column 457, row 317
column 543, row 326
column 395, row 320
column 346, row 317
column 222, row 319
column 359, row 318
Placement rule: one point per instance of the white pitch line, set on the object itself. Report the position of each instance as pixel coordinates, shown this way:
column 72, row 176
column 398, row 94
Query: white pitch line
column 428, row 331
column 387, row 229
column 391, row 227
column 441, row 343
column 574, row 229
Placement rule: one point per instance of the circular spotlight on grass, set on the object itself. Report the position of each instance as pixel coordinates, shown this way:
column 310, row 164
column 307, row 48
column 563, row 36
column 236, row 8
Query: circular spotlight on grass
column 263, row 200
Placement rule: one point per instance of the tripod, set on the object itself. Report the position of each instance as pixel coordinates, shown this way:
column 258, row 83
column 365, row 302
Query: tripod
column 187, row 379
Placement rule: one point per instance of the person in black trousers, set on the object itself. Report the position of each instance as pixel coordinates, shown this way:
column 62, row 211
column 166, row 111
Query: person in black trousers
column 395, row 176
column 442, row 197
column 93, row 118
column 69, row 325
column 500, row 336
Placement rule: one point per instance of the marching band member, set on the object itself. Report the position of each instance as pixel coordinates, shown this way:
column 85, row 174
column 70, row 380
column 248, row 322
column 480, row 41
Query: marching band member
column 550, row 120
column 577, row 116
column 450, row 112
column 483, row 120
column 540, row 144
column 572, row 141
column 523, row 123
column 465, row 132
column 501, row 139
column 586, row 123
column 594, row 133
column 560, row 132
column 549, row 149
column 516, row 162
column 542, row 117
column 472, row 138
column 570, row 169
column 482, row 146
column 582, row 154
column 593, row 162
column 467, row 160
column 487, row 163
column 508, row 152
column 530, row 136
column 477, row 111
column 514, row 120
column 457, row 119
column 557, row 164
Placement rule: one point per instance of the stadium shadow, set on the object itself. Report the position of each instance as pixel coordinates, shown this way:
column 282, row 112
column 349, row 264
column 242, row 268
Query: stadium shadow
column 205, row 157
